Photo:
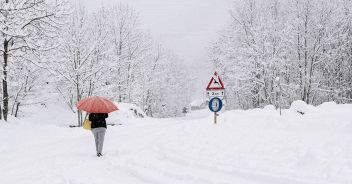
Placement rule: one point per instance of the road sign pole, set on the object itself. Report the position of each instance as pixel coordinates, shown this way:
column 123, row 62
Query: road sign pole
column 215, row 115
column 215, row 92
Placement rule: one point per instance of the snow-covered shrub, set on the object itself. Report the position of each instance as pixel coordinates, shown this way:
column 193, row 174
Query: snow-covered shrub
column 299, row 106
column 327, row 105
column 269, row 108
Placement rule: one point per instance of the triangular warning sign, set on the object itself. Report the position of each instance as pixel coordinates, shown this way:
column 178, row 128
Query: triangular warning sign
column 215, row 83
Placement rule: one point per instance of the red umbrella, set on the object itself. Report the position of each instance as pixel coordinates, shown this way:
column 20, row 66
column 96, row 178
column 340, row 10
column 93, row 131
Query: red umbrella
column 96, row 104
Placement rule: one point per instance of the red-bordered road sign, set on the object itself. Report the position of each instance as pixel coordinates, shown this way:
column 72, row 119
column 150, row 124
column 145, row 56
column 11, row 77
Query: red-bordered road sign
column 215, row 83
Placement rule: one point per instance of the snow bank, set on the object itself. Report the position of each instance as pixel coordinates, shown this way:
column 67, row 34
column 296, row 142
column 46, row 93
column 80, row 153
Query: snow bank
column 198, row 102
column 301, row 107
column 130, row 111
column 126, row 111
column 269, row 108
column 328, row 105
column 54, row 112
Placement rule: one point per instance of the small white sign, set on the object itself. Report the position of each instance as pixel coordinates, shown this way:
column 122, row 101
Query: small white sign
column 216, row 93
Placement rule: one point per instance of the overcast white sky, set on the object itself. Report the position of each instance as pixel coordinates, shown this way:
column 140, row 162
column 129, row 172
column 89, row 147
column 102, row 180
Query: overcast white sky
column 184, row 26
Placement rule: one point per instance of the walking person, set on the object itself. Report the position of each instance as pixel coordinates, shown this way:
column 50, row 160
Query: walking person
column 98, row 107
column 98, row 129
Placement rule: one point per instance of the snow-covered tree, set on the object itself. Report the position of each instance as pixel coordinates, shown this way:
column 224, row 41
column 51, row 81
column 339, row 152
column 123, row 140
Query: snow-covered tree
column 26, row 29
column 298, row 42
column 107, row 53
column 78, row 62
column 130, row 47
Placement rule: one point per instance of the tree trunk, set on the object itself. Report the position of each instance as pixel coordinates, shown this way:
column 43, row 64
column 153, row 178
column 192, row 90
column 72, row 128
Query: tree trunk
column 79, row 113
column 4, row 80
column 17, row 107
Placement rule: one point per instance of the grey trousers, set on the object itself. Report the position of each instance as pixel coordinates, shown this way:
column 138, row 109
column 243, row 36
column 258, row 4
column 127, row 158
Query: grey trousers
column 99, row 134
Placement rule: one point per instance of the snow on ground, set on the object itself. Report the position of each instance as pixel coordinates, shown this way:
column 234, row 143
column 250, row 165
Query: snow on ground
column 247, row 147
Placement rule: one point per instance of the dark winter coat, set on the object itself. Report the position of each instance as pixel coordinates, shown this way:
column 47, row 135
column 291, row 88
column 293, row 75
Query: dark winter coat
column 98, row 119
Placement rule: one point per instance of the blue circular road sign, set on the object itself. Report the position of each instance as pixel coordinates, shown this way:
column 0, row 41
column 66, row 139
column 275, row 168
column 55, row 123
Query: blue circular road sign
column 215, row 104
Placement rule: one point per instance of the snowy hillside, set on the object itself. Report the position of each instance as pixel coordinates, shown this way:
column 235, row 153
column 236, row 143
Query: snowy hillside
column 254, row 146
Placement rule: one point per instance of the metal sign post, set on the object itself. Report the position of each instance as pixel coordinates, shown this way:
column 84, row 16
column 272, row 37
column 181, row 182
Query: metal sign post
column 215, row 115
column 215, row 92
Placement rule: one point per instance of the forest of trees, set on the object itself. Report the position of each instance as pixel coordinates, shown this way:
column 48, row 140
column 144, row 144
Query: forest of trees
column 78, row 53
column 278, row 51
column 272, row 52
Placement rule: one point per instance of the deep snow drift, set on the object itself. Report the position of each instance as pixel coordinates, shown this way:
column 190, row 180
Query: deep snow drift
column 254, row 146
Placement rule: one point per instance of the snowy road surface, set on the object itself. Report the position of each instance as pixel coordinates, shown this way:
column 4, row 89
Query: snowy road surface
column 246, row 147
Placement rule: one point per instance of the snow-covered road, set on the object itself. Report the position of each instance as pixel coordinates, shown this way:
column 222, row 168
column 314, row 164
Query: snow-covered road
column 255, row 146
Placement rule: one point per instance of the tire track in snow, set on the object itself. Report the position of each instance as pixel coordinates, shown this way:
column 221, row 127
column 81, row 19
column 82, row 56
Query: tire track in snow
column 233, row 173
column 151, row 165
column 177, row 163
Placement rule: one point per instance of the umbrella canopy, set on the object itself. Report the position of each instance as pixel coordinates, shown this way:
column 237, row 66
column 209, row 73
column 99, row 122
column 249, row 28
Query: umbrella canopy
column 96, row 104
